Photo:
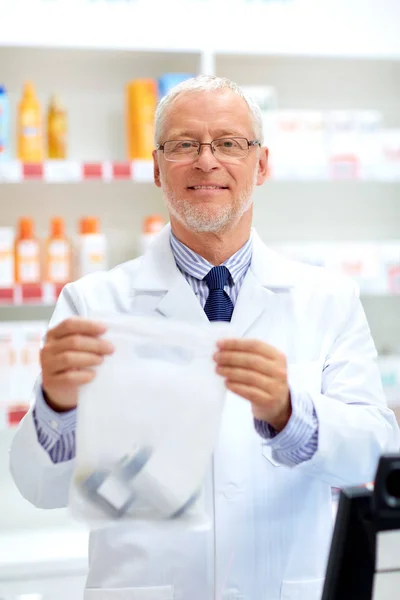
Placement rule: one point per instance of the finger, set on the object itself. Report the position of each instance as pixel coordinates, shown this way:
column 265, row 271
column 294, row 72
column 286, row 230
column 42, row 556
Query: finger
column 247, row 377
column 73, row 360
column 249, row 345
column 73, row 378
column 76, row 325
column 81, row 343
column 248, row 392
column 245, row 360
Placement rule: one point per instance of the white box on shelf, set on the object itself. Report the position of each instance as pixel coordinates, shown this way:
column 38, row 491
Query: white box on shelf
column 7, row 236
column 7, row 363
column 312, row 160
column 343, row 145
column 19, row 366
column 390, row 254
column 369, row 151
column 284, row 144
column 362, row 262
column 390, row 161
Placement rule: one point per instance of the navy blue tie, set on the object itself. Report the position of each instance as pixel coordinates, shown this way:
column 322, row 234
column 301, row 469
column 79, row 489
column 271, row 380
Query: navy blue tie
column 219, row 306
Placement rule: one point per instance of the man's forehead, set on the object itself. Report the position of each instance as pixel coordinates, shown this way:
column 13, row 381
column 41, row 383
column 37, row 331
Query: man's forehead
column 222, row 109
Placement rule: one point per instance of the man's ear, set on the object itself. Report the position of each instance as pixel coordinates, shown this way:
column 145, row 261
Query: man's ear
column 157, row 180
column 262, row 165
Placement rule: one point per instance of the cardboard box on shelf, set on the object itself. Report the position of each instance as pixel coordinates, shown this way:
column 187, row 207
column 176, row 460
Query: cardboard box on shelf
column 19, row 367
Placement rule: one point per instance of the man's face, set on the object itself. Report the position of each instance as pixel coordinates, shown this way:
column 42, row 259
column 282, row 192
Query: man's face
column 206, row 116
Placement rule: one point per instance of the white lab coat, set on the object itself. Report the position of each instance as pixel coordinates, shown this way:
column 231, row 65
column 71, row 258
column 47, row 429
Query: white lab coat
column 271, row 524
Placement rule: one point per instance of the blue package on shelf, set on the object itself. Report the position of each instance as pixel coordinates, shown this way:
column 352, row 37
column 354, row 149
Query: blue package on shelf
column 4, row 124
column 169, row 80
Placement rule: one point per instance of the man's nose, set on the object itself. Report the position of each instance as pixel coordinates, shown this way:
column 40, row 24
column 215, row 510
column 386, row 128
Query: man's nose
column 206, row 160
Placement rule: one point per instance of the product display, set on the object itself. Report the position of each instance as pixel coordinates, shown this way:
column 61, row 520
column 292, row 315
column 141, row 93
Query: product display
column 152, row 225
column 141, row 103
column 58, row 261
column 92, row 248
column 169, row 80
column 375, row 267
column 30, row 127
column 19, row 367
column 27, row 253
column 4, row 124
column 57, row 129
column 7, row 273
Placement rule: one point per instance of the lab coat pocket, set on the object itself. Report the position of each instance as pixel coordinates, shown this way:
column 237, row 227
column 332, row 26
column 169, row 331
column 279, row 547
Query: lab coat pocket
column 165, row 592
column 309, row 589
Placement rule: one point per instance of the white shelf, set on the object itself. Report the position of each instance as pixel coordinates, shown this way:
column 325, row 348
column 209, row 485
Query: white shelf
column 140, row 171
column 304, row 27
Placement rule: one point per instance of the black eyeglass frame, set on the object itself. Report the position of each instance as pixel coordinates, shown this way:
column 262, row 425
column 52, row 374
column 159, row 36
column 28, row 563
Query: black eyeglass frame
column 250, row 144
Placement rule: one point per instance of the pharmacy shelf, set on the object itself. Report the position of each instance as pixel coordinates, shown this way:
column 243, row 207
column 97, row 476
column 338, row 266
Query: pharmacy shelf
column 278, row 27
column 139, row 171
column 44, row 294
column 76, row 171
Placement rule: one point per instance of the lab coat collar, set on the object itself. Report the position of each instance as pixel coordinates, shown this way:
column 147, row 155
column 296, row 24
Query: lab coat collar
column 158, row 270
column 158, row 277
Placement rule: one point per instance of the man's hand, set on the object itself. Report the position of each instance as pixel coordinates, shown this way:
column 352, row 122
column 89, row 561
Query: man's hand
column 258, row 373
column 69, row 353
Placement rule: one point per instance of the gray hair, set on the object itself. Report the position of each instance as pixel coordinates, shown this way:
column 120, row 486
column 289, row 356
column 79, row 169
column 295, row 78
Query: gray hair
column 208, row 83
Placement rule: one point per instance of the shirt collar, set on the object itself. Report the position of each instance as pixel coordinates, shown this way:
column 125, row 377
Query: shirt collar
column 195, row 265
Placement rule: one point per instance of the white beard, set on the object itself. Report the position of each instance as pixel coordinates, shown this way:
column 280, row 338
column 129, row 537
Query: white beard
column 198, row 219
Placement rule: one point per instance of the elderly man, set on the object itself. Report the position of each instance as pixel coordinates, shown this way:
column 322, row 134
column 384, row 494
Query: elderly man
column 304, row 410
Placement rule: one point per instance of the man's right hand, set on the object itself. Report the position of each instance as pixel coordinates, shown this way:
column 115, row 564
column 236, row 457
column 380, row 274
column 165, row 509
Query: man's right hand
column 70, row 352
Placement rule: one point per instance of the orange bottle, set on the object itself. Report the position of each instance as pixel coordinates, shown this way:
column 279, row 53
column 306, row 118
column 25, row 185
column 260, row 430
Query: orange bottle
column 29, row 128
column 58, row 258
column 141, row 104
column 27, row 253
column 57, row 126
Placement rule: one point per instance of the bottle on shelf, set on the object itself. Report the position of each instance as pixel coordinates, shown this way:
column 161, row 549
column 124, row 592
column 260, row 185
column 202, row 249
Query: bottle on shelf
column 4, row 124
column 57, row 129
column 7, row 270
column 167, row 81
column 27, row 253
column 92, row 247
column 30, row 129
column 58, row 254
column 151, row 227
column 141, row 103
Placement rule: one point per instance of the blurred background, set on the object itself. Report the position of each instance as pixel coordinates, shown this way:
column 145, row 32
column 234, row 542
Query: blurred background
column 79, row 83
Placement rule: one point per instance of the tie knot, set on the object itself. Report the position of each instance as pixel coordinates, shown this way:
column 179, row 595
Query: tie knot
column 217, row 278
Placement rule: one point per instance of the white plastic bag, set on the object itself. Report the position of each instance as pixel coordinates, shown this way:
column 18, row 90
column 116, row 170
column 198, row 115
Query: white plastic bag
column 148, row 423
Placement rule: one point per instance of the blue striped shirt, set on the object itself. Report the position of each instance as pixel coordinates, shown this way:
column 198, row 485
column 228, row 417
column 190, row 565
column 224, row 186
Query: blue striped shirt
column 296, row 443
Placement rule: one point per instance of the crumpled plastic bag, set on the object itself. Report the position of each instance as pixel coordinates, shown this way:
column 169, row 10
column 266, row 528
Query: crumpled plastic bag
column 148, row 423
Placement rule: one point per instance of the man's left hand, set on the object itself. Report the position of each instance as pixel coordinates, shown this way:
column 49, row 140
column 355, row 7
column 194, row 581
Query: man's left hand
column 258, row 373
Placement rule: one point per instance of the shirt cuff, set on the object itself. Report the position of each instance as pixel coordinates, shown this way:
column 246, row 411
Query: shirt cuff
column 298, row 441
column 51, row 425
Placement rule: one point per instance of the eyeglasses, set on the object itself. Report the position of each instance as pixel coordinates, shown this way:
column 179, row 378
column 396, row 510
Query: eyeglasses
column 222, row 148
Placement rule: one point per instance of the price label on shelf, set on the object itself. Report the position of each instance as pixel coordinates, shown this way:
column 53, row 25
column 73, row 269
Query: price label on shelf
column 143, row 171
column 10, row 171
column 59, row 171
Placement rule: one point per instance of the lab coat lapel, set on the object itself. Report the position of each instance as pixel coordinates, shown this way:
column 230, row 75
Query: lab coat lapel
column 159, row 286
column 267, row 281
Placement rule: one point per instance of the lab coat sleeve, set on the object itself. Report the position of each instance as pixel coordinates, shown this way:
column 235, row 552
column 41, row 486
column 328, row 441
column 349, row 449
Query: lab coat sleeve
column 355, row 424
column 39, row 480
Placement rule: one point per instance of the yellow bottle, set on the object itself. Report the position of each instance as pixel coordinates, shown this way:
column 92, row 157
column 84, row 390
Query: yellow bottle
column 29, row 129
column 57, row 128
column 141, row 104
